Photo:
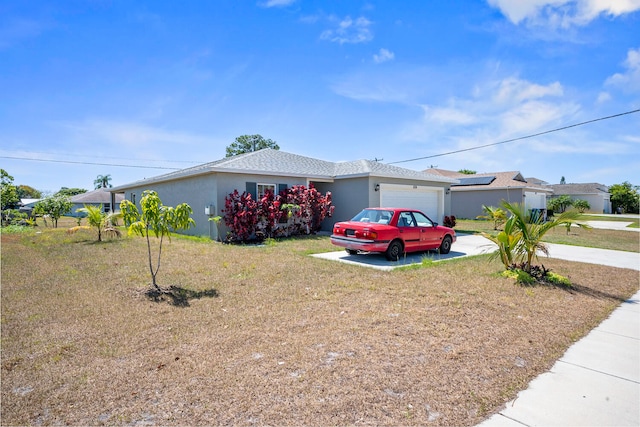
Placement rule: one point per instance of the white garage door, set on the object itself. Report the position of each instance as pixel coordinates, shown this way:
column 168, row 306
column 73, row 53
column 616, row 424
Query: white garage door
column 429, row 200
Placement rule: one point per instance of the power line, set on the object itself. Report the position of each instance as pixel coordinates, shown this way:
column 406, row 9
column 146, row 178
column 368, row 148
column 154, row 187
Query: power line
column 517, row 139
column 86, row 163
column 49, row 153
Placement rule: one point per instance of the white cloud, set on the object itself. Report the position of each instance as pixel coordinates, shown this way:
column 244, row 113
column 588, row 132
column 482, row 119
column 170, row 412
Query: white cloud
column 448, row 115
column 348, row 30
column 629, row 80
column 497, row 111
column 276, row 3
column 383, row 55
column 516, row 90
column 126, row 135
column 603, row 97
column 562, row 13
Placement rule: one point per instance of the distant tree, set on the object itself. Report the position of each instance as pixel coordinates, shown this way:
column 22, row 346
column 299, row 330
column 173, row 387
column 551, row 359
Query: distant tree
column 26, row 192
column 560, row 204
column 248, row 143
column 625, row 197
column 562, row 180
column 156, row 219
column 54, row 206
column 102, row 181
column 9, row 195
column 467, row 171
column 581, row 205
column 70, row 192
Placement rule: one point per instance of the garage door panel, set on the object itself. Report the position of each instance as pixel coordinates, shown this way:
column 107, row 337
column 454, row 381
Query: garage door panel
column 421, row 198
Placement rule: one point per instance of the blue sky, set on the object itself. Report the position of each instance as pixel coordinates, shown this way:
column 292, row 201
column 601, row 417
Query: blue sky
column 167, row 84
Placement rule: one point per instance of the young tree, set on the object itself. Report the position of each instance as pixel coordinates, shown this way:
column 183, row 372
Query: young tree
column 158, row 220
column 103, row 222
column 522, row 238
column 497, row 215
column 581, row 205
column 248, row 143
column 625, row 197
column 102, row 181
column 54, row 206
column 560, row 203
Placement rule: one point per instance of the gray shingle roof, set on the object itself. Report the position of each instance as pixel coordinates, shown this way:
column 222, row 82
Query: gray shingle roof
column 587, row 188
column 275, row 162
column 101, row 195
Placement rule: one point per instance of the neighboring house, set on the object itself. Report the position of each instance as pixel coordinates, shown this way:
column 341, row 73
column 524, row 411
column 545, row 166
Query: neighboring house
column 597, row 195
column 101, row 196
column 354, row 186
column 490, row 189
column 27, row 205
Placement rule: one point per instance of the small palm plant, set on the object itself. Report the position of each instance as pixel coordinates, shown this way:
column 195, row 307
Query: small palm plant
column 522, row 236
column 497, row 215
column 104, row 222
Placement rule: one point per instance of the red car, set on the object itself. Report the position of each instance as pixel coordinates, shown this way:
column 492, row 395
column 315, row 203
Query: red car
column 392, row 231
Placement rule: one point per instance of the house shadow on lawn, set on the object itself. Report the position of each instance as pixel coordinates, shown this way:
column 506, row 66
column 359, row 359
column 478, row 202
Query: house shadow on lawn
column 178, row 296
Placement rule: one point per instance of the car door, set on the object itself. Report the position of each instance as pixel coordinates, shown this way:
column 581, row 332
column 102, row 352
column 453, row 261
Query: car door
column 409, row 231
column 429, row 238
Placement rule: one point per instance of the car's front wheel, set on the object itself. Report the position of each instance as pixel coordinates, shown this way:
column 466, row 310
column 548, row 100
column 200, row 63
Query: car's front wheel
column 394, row 251
column 352, row 251
column 445, row 246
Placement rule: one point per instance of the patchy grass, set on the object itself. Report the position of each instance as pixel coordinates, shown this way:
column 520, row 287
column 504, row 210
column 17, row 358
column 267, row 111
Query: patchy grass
column 272, row 336
column 619, row 240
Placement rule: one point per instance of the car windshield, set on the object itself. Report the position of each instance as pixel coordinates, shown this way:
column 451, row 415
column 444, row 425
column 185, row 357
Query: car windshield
column 374, row 215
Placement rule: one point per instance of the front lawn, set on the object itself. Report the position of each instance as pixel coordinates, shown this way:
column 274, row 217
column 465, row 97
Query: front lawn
column 619, row 240
column 274, row 336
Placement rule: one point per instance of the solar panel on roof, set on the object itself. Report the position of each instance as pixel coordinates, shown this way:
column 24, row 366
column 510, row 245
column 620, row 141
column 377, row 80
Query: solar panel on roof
column 476, row 180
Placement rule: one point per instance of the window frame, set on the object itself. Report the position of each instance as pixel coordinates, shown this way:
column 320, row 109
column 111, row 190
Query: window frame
column 261, row 185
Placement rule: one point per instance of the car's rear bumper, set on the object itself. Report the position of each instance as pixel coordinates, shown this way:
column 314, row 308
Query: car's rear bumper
column 360, row 244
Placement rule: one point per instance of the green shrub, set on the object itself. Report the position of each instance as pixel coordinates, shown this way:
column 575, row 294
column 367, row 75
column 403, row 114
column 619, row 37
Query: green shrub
column 557, row 279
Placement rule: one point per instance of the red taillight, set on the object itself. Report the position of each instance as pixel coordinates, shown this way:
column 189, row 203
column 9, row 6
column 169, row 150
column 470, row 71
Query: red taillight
column 367, row 234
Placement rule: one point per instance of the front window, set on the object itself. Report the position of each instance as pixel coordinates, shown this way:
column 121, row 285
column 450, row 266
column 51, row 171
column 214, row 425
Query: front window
column 374, row 215
column 423, row 220
column 263, row 188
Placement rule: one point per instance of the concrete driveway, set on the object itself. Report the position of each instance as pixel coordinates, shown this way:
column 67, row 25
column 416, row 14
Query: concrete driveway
column 475, row 244
column 465, row 245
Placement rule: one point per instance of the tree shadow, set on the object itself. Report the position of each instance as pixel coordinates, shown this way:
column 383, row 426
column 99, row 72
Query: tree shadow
column 594, row 293
column 575, row 288
column 178, row 296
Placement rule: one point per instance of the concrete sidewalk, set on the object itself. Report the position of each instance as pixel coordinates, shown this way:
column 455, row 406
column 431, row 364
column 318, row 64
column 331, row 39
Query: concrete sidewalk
column 595, row 383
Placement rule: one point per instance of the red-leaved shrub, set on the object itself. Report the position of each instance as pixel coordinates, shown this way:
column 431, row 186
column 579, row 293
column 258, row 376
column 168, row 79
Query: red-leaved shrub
column 449, row 221
column 296, row 210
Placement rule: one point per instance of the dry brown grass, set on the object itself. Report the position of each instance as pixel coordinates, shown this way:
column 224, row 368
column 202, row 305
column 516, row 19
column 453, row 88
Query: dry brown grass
column 289, row 340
